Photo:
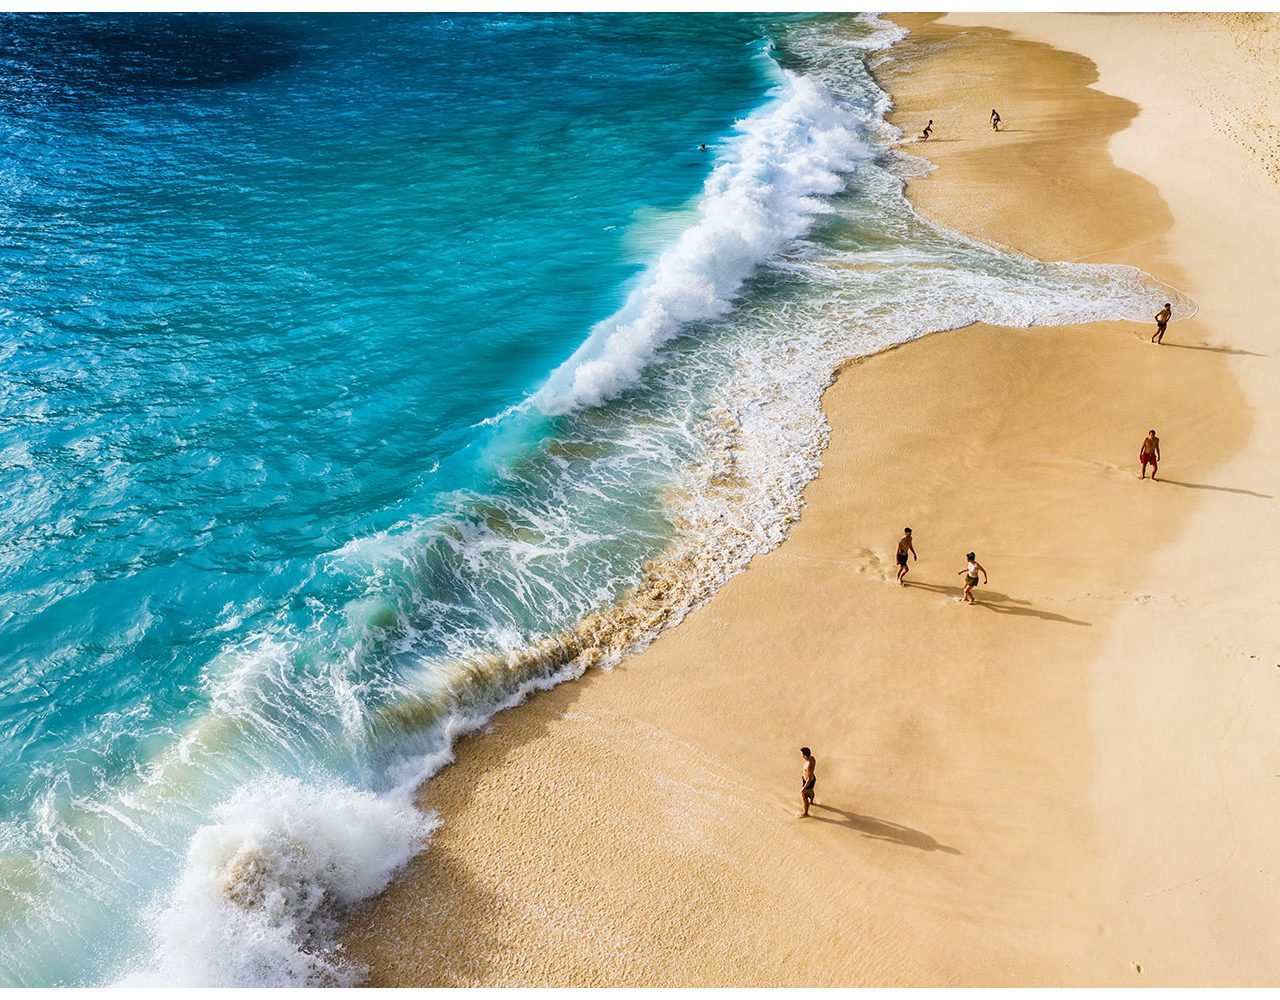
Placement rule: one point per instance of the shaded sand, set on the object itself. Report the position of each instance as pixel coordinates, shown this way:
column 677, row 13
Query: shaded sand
column 1074, row 779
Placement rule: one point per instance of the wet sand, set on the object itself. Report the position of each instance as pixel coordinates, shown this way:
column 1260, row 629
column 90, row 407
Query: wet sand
column 1072, row 780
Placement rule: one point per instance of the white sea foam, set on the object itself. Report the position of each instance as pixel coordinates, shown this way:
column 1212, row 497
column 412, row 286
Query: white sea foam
column 763, row 194
column 264, row 885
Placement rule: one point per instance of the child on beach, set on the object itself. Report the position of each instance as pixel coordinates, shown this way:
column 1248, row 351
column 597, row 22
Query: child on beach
column 971, row 570
column 928, row 130
column 995, row 120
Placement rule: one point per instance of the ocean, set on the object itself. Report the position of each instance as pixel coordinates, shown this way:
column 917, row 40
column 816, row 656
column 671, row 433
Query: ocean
column 363, row 374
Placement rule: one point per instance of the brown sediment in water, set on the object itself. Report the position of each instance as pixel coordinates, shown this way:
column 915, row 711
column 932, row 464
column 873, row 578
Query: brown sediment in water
column 706, row 550
column 1058, row 786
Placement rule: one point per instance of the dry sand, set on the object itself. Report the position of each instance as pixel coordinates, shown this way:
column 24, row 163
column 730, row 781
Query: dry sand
column 1076, row 778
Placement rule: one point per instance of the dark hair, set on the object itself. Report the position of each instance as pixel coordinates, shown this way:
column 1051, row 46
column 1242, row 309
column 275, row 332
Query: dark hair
column 907, row 530
column 970, row 555
column 805, row 751
column 1152, row 431
column 1168, row 306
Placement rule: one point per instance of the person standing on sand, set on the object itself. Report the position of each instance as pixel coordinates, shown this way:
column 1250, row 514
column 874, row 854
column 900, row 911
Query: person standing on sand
column 995, row 120
column 905, row 546
column 1150, row 454
column 970, row 573
column 810, row 779
column 1162, row 320
column 928, row 130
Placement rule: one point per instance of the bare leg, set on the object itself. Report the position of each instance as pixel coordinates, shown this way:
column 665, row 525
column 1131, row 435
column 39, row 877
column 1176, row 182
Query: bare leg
column 1154, row 466
column 804, row 797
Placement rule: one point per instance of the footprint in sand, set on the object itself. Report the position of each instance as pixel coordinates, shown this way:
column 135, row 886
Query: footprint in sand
column 866, row 561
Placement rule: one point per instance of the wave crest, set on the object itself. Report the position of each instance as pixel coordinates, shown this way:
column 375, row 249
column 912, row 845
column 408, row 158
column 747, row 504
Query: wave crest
column 264, row 886
column 764, row 193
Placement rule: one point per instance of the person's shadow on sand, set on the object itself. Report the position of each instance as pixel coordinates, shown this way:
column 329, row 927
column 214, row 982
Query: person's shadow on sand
column 1218, row 489
column 1217, row 350
column 1001, row 604
column 881, row 829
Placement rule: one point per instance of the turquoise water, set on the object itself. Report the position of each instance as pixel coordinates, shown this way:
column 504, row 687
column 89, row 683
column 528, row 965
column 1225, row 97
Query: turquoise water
column 367, row 372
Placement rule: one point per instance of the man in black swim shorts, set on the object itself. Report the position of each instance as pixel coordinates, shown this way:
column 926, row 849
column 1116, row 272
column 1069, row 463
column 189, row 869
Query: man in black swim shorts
column 905, row 547
column 1162, row 321
column 810, row 779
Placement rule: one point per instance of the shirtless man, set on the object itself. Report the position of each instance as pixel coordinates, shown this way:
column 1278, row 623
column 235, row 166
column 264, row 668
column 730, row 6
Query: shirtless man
column 905, row 546
column 1162, row 320
column 810, row 779
column 995, row 120
column 1150, row 454
column 928, row 130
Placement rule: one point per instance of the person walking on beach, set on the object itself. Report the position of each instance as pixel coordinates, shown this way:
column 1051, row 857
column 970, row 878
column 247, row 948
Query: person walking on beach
column 1150, row 454
column 904, row 547
column 810, row 779
column 995, row 120
column 1162, row 320
column 970, row 572
column 928, row 130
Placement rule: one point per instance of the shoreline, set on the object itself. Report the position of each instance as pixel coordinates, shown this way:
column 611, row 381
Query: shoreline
column 651, row 840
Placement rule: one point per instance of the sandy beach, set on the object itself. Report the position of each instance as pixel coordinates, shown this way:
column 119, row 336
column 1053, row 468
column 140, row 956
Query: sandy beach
column 1073, row 783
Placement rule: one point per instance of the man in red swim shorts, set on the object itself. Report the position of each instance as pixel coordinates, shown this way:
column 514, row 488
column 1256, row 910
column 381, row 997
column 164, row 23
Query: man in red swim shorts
column 1150, row 454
